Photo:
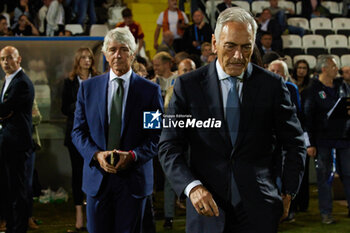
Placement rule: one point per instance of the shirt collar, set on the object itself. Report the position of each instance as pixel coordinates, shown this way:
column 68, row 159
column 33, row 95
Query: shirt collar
column 125, row 77
column 80, row 80
column 11, row 76
column 222, row 75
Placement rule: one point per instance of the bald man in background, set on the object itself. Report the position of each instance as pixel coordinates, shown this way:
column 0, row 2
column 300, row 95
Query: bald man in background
column 184, row 67
column 346, row 74
column 16, row 102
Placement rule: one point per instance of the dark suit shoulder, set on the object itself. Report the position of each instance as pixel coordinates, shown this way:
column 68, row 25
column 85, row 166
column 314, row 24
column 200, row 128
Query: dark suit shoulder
column 195, row 75
column 261, row 73
column 145, row 82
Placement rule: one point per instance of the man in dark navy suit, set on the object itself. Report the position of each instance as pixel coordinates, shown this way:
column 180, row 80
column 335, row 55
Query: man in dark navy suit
column 229, row 176
column 17, row 97
column 108, row 125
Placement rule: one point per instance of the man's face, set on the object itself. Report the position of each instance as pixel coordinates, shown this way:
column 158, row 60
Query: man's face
column 346, row 73
column 3, row 25
column 128, row 20
column 277, row 69
column 331, row 68
column 266, row 41
column 119, row 57
column 301, row 69
column 274, row 3
column 185, row 67
column 10, row 60
column 206, row 51
column 160, row 67
column 235, row 47
column 265, row 15
column 197, row 17
column 22, row 21
column 172, row 4
column 85, row 61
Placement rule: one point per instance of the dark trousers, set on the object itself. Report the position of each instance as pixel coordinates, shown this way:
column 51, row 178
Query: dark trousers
column 114, row 209
column 77, row 163
column 231, row 220
column 301, row 201
column 16, row 212
column 29, row 172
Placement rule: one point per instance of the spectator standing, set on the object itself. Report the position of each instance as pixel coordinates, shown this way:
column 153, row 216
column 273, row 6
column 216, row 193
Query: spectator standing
column 174, row 20
column 329, row 141
column 42, row 16
column 134, row 27
column 83, row 8
column 55, row 18
column 83, row 69
column 196, row 34
column 17, row 97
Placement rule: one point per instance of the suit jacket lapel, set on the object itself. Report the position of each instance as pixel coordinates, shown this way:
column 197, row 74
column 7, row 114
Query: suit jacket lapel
column 14, row 80
column 251, row 85
column 130, row 102
column 212, row 93
column 102, row 90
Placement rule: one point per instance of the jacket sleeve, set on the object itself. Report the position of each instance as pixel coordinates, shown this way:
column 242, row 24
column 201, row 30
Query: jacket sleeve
column 173, row 144
column 81, row 134
column 290, row 134
column 149, row 149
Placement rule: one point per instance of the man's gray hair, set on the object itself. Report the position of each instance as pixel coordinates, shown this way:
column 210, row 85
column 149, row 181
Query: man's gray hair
column 322, row 62
column 284, row 65
column 235, row 14
column 121, row 35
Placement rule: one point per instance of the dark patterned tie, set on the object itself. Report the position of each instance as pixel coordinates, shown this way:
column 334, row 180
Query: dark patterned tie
column 115, row 124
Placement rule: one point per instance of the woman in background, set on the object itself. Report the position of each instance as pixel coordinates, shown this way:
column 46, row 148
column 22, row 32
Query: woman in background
column 83, row 69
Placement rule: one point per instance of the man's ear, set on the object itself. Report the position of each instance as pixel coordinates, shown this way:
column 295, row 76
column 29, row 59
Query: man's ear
column 213, row 44
column 19, row 59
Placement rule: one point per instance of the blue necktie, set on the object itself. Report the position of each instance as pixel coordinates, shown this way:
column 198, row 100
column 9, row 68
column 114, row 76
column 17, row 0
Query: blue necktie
column 232, row 119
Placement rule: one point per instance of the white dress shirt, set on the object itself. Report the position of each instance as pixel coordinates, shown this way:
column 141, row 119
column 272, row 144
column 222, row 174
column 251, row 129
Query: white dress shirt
column 8, row 80
column 225, row 86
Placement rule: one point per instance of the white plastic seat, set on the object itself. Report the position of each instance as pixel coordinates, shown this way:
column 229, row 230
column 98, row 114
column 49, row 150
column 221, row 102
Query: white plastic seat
column 336, row 41
column 311, row 60
column 291, row 41
column 243, row 4
column 74, row 28
column 321, row 24
column 337, row 44
column 287, row 4
column 258, row 6
column 292, row 45
column 333, row 7
column 98, row 30
column 314, row 45
column 289, row 62
column 298, row 8
column 341, row 26
column 345, row 60
column 299, row 22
